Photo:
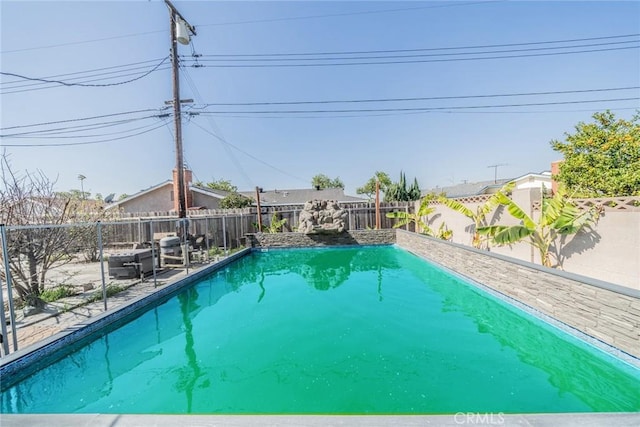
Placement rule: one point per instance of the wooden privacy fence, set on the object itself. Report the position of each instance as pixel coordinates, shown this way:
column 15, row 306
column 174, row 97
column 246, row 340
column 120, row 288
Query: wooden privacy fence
column 227, row 228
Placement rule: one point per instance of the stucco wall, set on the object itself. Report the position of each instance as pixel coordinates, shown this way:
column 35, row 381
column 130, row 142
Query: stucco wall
column 610, row 252
column 202, row 200
column 602, row 310
column 353, row 237
column 158, row 200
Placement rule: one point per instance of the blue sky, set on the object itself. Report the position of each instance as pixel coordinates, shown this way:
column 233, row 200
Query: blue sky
column 281, row 149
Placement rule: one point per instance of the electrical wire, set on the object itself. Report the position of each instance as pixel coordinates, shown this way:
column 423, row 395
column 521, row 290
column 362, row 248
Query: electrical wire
column 54, row 136
column 338, row 64
column 422, row 55
column 364, row 12
column 421, row 108
column 83, row 84
column 80, row 119
column 126, row 67
column 250, row 155
column 366, row 52
column 66, row 144
column 431, row 98
column 214, row 126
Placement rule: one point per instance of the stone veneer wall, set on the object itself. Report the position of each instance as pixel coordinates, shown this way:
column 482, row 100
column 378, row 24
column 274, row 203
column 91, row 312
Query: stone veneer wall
column 297, row 240
column 602, row 310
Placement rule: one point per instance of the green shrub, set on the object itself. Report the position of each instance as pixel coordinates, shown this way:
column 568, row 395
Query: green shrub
column 54, row 294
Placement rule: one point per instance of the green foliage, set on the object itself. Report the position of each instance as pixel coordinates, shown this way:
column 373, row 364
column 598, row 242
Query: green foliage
column 123, row 196
column 398, row 192
column 419, row 218
column 602, row 159
column 558, row 216
column 235, row 200
column 74, row 194
column 111, row 291
column 444, row 233
column 274, row 226
column 54, row 294
column 369, row 188
column 221, row 185
column 323, row 181
column 480, row 214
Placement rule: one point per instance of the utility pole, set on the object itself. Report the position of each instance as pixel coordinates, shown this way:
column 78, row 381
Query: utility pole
column 495, row 171
column 174, row 15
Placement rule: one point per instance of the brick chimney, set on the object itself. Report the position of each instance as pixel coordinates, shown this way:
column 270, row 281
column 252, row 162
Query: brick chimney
column 188, row 197
column 555, row 170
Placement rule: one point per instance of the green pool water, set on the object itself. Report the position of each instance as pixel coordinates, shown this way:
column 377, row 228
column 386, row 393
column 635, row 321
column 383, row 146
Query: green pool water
column 331, row 331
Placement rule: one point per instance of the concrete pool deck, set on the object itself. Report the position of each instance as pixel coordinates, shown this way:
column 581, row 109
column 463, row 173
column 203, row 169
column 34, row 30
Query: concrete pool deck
column 459, row 419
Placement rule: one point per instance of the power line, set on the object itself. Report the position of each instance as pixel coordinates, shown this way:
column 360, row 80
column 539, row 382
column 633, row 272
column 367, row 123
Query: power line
column 83, row 84
column 431, row 98
column 366, row 12
column 421, row 108
column 66, row 144
column 213, row 125
column 65, row 134
column 80, row 119
column 337, row 64
column 248, row 22
column 422, row 55
column 430, row 49
column 124, row 66
column 343, row 116
column 250, row 155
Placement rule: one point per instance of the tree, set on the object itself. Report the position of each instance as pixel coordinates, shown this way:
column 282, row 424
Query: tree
column 221, row 184
column 322, row 181
column 398, row 192
column 369, row 188
column 559, row 216
column 419, row 219
column 478, row 216
column 30, row 200
column 602, row 159
column 235, row 200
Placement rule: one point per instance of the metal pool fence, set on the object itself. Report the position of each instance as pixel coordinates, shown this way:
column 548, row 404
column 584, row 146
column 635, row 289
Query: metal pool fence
column 56, row 276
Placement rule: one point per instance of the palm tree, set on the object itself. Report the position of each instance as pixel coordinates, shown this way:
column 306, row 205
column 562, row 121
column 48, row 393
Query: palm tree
column 478, row 216
column 416, row 218
column 558, row 216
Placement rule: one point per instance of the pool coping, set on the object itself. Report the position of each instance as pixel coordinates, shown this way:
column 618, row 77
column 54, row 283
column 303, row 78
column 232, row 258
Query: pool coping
column 619, row 419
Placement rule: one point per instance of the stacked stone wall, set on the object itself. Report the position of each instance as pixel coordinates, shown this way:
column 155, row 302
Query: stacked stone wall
column 299, row 240
column 602, row 310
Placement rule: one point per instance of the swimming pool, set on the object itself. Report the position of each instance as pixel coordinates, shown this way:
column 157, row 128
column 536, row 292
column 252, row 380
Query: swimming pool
column 371, row 330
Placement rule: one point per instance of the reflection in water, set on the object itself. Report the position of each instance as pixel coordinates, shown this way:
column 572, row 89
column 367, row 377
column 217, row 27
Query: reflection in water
column 321, row 269
column 188, row 375
column 571, row 368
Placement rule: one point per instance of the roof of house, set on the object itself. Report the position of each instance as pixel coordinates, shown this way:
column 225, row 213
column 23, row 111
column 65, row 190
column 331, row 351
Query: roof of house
column 218, row 194
column 301, row 196
column 475, row 188
column 468, row 188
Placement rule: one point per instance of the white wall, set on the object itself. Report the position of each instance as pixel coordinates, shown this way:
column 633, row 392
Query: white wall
column 611, row 252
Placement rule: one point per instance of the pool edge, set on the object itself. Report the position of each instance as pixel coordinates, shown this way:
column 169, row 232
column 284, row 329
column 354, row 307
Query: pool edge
column 619, row 419
column 12, row 364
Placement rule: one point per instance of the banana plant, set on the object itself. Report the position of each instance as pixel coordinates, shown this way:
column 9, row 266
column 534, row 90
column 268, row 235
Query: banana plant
column 275, row 226
column 418, row 218
column 558, row 216
column 480, row 214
